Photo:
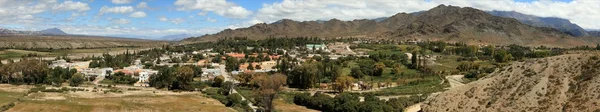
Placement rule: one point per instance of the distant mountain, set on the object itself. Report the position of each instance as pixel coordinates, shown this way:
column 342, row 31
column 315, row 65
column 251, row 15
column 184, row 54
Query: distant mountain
column 594, row 33
column 53, row 31
column 176, row 37
column 563, row 25
column 445, row 23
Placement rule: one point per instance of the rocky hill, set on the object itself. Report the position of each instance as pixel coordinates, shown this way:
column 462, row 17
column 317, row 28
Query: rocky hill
column 53, row 31
column 447, row 23
column 563, row 25
column 566, row 83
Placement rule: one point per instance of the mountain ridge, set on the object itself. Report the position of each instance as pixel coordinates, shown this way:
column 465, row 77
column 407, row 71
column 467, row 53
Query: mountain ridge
column 445, row 23
column 563, row 25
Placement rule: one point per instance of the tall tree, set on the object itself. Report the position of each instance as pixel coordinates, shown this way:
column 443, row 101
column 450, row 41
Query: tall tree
column 342, row 83
column 414, row 60
column 268, row 88
column 76, row 80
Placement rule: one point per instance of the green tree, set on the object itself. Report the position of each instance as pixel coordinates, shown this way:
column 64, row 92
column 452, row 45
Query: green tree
column 379, row 67
column 502, row 56
column 232, row 64
column 76, row 80
column 357, row 73
column 414, row 61
column 304, row 76
column 184, row 76
column 218, row 81
column 342, row 83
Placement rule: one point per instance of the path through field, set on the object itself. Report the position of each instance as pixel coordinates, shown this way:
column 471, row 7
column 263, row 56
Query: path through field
column 454, row 80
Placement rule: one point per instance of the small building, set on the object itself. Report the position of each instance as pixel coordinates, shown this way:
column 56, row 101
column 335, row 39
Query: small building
column 145, row 74
column 213, row 72
column 237, row 55
column 98, row 72
column 316, row 46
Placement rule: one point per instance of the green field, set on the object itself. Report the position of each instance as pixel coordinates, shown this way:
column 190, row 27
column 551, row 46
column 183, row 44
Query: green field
column 9, row 97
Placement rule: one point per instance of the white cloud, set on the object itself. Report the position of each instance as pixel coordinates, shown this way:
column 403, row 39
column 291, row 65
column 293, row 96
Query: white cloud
column 71, row 6
column 202, row 13
column 211, row 19
column 163, row 19
column 220, row 7
column 116, row 10
column 121, row 1
column 138, row 14
column 121, row 21
column 142, row 5
column 177, row 20
column 585, row 13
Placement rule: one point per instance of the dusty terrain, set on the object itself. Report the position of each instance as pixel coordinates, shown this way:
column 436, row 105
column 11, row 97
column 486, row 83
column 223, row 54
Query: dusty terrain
column 561, row 83
column 96, row 100
column 35, row 41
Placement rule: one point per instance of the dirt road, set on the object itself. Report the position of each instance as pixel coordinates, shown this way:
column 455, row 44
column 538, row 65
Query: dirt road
column 454, row 80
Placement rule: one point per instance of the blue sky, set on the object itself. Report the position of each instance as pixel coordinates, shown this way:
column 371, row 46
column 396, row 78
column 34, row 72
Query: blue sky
column 155, row 18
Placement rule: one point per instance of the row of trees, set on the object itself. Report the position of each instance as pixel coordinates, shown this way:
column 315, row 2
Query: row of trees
column 117, row 61
column 347, row 102
column 179, row 78
column 32, row 72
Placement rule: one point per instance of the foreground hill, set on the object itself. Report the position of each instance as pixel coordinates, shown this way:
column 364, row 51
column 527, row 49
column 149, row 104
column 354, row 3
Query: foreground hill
column 447, row 23
column 71, row 41
column 560, row 83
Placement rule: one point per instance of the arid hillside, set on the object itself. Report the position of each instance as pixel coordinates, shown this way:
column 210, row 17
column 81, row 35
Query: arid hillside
column 71, row 41
column 445, row 23
column 561, row 83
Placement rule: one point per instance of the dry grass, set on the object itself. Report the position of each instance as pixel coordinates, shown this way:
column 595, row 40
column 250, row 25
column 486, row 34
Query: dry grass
column 282, row 106
column 161, row 103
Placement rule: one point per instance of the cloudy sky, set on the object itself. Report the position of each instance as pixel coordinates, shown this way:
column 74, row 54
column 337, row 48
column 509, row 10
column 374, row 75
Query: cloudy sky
column 154, row 18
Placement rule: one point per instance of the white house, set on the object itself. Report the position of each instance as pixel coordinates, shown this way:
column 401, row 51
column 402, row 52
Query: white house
column 145, row 75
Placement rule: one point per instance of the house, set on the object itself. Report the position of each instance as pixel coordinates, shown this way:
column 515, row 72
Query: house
column 237, row 55
column 274, row 57
column 409, row 55
column 145, row 74
column 99, row 72
column 244, row 66
column 64, row 64
column 213, row 72
column 316, row 46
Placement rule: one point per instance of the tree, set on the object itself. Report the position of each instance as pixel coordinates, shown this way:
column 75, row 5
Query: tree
column 218, row 81
column 414, row 61
column 250, row 67
column 304, row 76
column 184, row 76
column 231, row 64
column 234, row 100
column 76, row 80
column 268, row 86
column 388, row 82
column 489, row 50
column 502, row 56
column 357, row 73
column 342, row 83
column 379, row 67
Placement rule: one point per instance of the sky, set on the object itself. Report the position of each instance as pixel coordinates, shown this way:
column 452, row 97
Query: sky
column 156, row 18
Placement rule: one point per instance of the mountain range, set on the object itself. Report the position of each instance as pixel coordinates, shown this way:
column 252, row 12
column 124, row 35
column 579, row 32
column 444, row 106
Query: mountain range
column 445, row 23
column 563, row 25
column 51, row 31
